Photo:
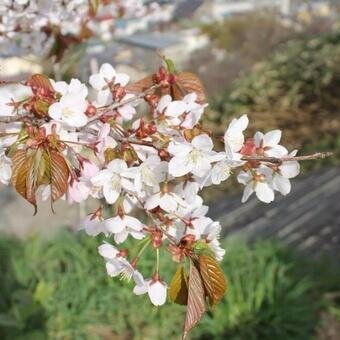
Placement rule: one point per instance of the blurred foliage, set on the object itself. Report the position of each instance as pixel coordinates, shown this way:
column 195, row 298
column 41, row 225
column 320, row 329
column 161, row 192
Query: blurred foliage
column 240, row 41
column 255, row 33
column 296, row 89
column 59, row 289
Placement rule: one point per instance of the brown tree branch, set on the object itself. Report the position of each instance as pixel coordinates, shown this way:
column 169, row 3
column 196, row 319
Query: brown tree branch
column 11, row 119
column 276, row 160
column 122, row 103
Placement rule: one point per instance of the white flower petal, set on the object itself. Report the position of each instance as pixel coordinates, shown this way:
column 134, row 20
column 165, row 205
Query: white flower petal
column 114, row 224
column 55, row 111
column 113, row 268
column 117, row 166
column 282, row 184
column 258, row 139
column 168, row 203
column 202, row 142
column 121, row 236
column 272, row 138
column 157, row 293
column 108, row 251
column 290, row 169
column 97, row 81
column 133, row 223
column 111, row 193
column 141, row 288
column 277, row 151
column 238, row 125
column 163, row 103
column 248, row 190
column 107, row 71
column 178, row 166
column 152, row 202
column 122, row 79
column 264, row 193
column 179, row 149
column 101, row 177
column 175, row 108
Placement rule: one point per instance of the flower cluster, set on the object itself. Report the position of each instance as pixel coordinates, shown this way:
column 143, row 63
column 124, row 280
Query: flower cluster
column 75, row 141
column 40, row 27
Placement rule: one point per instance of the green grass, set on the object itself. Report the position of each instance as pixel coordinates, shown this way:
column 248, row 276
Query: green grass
column 58, row 289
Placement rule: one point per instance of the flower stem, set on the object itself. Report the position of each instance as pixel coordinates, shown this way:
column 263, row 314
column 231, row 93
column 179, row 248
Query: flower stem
column 157, row 261
column 145, row 245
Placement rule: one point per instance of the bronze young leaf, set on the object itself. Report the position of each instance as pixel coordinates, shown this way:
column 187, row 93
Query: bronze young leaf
column 59, row 175
column 213, row 278
column 40, row 81
column 24, row 181
column 187, row 82
column 140, row 85
column 18, row 159
column 32, row 168
column 178, row 290
column 196, row 300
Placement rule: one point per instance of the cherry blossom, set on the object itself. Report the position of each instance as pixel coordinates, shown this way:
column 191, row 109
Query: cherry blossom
column 168, row 111
column 222, row 170
column 6, row 107
column 5, row 168
column 113, row 179
column 123, row 225
column 93, row 224
column 168, row 201
column 148, row 171
column 70, row 110
column 283, row 173
column 217, row 249
column 116, row 264
column 268, row 144
column 82, row 188
column 75, row 87
column 195, row 157
column 258, row 181
column 107, row 76
column 156, row 289
column 193, row 111
column 233, row 137
column 38, row 26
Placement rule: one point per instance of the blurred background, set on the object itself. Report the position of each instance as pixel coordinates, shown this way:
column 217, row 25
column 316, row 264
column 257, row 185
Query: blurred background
column 279, row 62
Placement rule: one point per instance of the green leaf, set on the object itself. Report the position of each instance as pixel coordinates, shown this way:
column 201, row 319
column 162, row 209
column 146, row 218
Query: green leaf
column 43, row 291
column 202, row 248
column 170, row 65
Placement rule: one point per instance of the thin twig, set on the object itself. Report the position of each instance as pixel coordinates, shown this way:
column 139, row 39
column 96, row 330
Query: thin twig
column 141, row 142
column 122, row 103
column 132, row 99
column 11, row 119
column 276, row 160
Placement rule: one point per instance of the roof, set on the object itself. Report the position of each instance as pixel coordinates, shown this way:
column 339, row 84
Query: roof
column 154, row 41
column 186, row 8
column 307, row 219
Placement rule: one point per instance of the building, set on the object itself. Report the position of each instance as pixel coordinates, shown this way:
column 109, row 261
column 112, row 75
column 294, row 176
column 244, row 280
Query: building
column 143, row 49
